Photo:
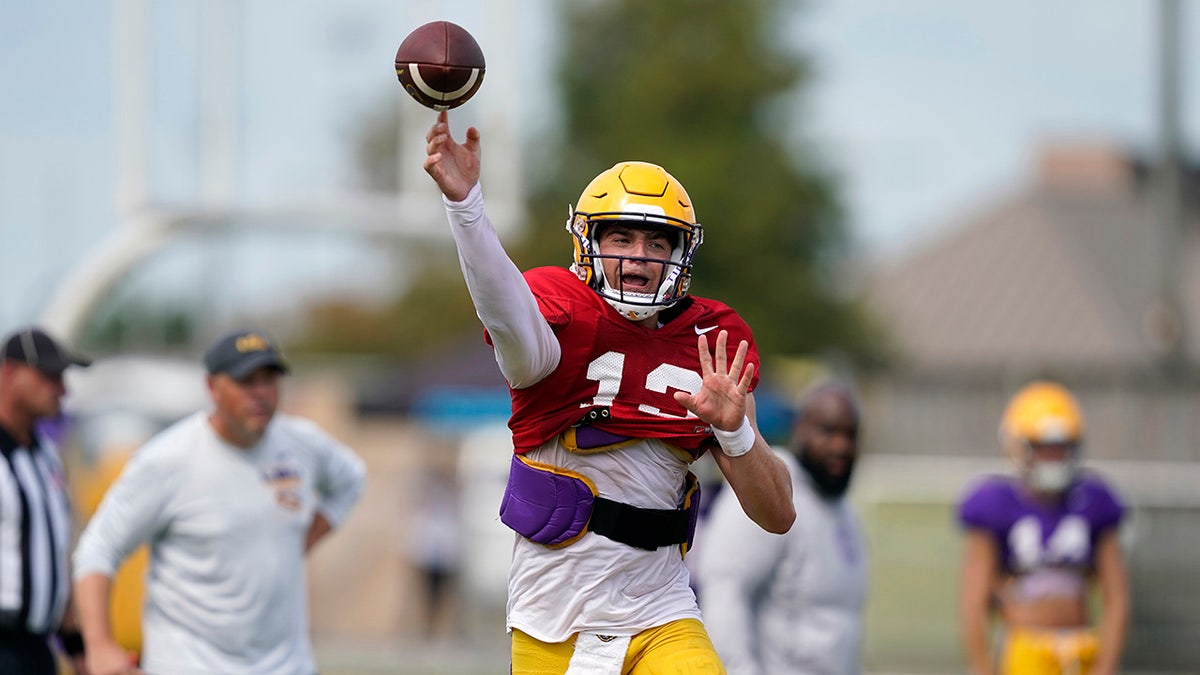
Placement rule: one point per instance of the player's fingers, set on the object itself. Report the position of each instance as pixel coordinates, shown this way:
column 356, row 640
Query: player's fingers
column 722, row 357
column 434, row 142
column 747, row 378
column 439, row 127
column 686, row 400
column 472, row 142
column 739, row 359
column 706, row 366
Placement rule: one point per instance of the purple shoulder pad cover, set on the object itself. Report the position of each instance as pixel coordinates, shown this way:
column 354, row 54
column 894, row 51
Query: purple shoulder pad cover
column 546, row 507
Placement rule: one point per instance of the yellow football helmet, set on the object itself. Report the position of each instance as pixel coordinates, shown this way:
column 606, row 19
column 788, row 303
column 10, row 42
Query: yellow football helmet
column 1043, row 413
column 643, row 194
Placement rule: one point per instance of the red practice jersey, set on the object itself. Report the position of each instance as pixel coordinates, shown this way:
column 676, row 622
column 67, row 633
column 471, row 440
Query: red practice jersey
column 611, row 362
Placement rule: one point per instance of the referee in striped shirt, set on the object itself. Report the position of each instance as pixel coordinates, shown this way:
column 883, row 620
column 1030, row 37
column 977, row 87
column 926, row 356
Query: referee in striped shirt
column 35, row 516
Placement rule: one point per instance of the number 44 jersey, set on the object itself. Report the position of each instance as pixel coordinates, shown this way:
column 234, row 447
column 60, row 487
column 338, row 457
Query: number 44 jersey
column 618, row 376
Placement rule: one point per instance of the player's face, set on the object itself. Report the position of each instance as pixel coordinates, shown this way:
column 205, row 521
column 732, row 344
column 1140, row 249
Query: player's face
column 827, row 439
column 1050, row 466
column 634, row 276
column 38, row 394
column 1052, row 452
column 244, row 407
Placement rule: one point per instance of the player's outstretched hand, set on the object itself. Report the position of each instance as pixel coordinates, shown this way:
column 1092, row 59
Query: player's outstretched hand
column 721, row 400
column 453, row 166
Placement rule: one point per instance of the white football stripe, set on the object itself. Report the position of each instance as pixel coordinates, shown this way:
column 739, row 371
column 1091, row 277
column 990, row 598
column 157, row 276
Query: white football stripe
column 436, row 95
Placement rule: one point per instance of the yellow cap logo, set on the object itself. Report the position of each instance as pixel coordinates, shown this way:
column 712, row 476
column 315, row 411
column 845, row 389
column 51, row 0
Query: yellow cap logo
column 252, row 343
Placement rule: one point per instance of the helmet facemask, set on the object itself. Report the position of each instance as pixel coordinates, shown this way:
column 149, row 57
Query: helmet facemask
column 641, row 196
column 1044, row 418
column 1050, row 475
column 675, row 272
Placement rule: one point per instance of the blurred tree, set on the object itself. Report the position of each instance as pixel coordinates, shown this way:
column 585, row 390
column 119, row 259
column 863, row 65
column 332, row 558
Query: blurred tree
column 708, row 90
column 434, row 307
column 119, row 327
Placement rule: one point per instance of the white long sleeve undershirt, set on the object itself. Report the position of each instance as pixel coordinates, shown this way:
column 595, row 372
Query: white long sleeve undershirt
column 527, row 349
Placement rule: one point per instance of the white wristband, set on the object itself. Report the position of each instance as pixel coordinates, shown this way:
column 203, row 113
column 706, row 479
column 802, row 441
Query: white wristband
column 737, row 442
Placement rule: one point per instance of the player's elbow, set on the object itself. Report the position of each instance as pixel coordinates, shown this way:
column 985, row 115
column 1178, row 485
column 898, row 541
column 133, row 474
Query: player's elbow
column 780, row 520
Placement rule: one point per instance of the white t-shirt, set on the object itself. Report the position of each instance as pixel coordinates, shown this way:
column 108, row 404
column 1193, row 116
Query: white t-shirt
column 226, row 587
column 597, row 584
column 790, row 603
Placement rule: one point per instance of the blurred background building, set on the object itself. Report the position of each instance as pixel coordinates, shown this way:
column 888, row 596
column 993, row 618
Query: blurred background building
column 1059, row 280
column 938, row 200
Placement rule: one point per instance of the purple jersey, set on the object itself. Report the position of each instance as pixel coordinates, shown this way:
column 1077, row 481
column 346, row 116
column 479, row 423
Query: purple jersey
column 1032, row 535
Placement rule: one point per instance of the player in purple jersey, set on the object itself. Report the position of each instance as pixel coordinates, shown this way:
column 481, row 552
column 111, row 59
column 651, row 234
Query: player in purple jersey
column 1036, row 543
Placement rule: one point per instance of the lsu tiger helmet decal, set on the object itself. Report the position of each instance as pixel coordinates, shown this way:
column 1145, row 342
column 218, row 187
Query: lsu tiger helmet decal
column 639, row 194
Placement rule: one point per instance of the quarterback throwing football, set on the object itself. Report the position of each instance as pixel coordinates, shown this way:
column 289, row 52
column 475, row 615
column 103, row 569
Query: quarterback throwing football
column 615, row 391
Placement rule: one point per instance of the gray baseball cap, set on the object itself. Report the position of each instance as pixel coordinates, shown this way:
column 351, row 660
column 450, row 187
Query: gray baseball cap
column 33, row 346
column 241, row 353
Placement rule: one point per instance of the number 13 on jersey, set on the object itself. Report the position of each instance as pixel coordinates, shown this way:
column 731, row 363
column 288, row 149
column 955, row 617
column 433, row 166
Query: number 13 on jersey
column 608, row 370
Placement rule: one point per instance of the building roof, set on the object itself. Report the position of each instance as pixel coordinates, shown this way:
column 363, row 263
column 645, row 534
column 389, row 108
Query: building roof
column 1067, row 274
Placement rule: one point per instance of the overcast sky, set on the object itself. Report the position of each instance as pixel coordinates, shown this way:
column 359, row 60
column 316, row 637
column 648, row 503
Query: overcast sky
column 925, row 107
column 932, row 106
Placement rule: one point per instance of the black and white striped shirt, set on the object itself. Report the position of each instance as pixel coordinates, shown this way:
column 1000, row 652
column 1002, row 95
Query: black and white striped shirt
column 35, row 533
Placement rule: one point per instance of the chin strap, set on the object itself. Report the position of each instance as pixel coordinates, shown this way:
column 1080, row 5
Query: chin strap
column 632, row 312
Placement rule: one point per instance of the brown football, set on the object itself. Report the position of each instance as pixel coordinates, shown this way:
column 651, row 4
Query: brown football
column 440, row 65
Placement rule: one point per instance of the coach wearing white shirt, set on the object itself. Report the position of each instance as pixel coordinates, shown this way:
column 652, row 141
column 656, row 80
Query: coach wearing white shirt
column 230, row 500
column 792, row 603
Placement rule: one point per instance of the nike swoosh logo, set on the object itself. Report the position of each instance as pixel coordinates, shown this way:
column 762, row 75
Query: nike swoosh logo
column 702, row 331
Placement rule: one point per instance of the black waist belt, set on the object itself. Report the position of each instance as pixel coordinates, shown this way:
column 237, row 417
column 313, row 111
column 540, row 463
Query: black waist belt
column 641, row 528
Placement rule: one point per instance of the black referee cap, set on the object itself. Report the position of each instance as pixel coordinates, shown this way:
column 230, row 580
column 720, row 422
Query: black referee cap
column 240, row 354
column 33, row 346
